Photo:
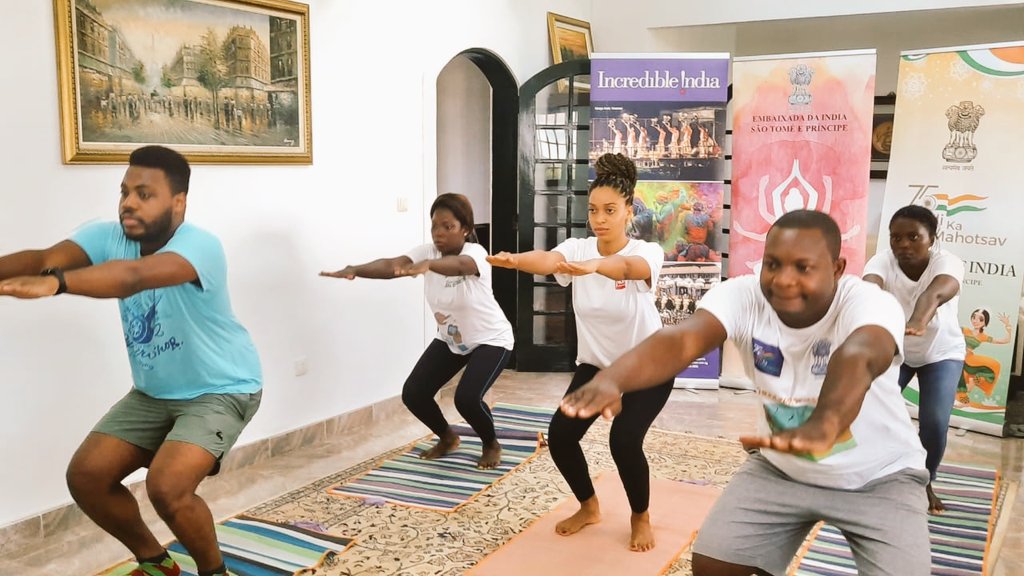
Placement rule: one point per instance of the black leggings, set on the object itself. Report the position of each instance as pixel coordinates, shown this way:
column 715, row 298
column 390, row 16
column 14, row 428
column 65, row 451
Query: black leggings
column 436, row 367
column 639, row 409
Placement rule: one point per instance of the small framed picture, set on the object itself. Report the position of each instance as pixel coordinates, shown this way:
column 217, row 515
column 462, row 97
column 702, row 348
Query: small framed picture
column 570, row 38
column 881, row 135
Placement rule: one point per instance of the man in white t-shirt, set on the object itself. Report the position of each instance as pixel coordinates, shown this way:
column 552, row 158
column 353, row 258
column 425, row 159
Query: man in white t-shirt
column 836, row 443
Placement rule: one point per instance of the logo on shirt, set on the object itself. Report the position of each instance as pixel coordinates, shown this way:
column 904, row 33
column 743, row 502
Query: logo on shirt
column 143, row 332
column 453, row 281
column 783, row 417
column 767, row 358
column 821, row 350
column 450, row 332
column 620, row 284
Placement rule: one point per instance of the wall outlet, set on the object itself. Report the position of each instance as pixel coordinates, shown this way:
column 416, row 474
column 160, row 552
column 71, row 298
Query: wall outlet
column 301, row 365
column 402, row 204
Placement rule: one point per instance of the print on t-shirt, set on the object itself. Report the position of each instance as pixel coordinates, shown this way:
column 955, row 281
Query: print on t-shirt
column 821, row 349
column 143, row 333
column 782, row 417
column 767, row 358
column 451, row 333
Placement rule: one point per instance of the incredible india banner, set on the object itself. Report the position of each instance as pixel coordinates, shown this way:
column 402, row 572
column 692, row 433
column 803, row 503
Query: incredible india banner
column 667, row 113
column 957, row 145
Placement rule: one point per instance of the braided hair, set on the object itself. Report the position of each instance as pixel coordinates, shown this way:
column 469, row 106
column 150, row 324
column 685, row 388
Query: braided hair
column 616, row 172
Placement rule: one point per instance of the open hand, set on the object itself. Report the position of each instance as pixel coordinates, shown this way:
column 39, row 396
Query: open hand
column 415, row 269
column 581, row 268
column 811, row 438
column 598, row 396
column 29, row 287
column 504, row 260
column 348, row 273
column 1006, row 322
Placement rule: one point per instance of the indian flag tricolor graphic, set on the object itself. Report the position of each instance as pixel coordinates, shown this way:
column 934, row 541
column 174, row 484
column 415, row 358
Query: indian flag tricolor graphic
column 1004, row 61
column 957, row 204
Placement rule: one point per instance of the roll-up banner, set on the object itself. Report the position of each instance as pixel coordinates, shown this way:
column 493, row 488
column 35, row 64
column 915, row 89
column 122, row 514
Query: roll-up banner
column 667, row 113
column 957, row 147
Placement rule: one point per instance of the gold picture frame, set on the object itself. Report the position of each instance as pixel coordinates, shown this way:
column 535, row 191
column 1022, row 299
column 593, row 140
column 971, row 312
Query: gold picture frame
column 570, row 38
column 221, row 81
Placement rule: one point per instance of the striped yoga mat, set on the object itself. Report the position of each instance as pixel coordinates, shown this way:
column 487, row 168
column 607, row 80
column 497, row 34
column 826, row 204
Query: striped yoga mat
column 253, row 547
column 447, row 483
column 960, row 536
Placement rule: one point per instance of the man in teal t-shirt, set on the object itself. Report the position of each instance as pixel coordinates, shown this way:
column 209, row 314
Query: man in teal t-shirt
column 196, row 371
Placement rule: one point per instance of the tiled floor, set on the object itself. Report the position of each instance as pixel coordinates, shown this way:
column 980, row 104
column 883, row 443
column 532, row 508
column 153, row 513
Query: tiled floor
column 83, row 550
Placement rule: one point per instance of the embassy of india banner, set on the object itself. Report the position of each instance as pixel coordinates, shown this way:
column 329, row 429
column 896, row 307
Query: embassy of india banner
column 801, row 140
column 957, row 148
column 666, row 112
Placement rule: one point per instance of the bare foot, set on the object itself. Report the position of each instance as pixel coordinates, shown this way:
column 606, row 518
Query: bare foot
column 642, row 537
column 935, row 506
column 448, row 442
column 490, row 456
column 589, row 513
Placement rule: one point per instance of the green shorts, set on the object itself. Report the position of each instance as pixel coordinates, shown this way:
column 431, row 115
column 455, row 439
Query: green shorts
column 211, row 421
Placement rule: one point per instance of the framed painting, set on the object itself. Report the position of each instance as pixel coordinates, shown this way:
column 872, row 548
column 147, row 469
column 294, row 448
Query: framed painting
column 221, row 81
column 881, row 135
column 570, row 38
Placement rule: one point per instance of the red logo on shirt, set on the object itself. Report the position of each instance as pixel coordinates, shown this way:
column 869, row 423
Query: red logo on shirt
column 620, row 284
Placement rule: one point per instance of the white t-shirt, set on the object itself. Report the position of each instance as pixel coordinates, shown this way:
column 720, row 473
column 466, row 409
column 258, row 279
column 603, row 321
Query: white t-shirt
column 942, row 339
column 787, row 366
column 611, row 316
column 464, row 307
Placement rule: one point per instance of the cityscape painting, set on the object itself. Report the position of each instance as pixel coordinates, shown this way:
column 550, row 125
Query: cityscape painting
column 222, row 81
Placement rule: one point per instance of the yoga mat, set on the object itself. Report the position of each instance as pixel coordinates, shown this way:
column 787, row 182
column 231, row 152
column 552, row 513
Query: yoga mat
column 448, row 483
column 677, row 511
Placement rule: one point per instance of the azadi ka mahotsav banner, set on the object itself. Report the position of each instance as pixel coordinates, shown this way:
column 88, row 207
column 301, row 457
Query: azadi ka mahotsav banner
column 667, row 113
column 801, row 140
column 957, row 147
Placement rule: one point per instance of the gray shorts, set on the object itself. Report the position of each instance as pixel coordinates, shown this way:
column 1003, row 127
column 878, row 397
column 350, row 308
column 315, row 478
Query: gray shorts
column 211, row 421
column 763, row 517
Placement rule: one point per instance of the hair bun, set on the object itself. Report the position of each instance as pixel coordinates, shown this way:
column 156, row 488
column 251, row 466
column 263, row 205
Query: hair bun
column 616, row 166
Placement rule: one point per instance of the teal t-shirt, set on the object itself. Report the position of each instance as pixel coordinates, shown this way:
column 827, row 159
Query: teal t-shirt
column 183, row 341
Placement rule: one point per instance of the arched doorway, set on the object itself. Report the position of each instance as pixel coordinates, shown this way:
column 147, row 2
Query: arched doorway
column 477, row 147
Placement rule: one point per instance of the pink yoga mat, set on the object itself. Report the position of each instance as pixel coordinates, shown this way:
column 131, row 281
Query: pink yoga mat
column 677, row 511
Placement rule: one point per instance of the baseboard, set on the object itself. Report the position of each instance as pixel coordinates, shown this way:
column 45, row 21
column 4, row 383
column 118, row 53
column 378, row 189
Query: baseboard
column 29, row 532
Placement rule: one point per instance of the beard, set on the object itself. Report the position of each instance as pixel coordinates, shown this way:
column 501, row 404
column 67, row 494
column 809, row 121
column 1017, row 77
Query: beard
column 153, row 231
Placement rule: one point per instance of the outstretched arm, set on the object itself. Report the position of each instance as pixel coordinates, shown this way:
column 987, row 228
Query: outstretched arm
column 445, row 266
column 112, row 279
column 866, row 355
column 541, row 262
column 616, row 267
column 941, row 289
column 65, row 255
column 381, row 269
column 660, row 357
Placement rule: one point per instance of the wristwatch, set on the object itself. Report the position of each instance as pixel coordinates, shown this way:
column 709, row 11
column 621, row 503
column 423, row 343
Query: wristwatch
column 62, row 285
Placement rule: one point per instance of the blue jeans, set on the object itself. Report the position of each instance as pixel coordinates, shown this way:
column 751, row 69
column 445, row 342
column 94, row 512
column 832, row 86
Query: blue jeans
column 937, row 382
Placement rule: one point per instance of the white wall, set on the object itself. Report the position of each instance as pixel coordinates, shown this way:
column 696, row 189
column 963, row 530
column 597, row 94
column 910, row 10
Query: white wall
column 611, row 18
column 62, row 361
column 889, row 34
column 464, row 135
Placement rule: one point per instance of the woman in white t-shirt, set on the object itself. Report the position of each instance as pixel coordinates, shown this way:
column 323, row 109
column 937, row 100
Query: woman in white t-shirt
column 926, row 280
column 472, row 331
column 611, row 277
